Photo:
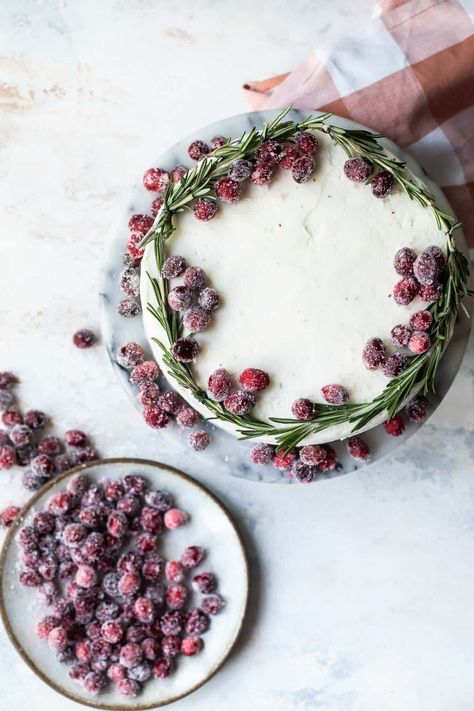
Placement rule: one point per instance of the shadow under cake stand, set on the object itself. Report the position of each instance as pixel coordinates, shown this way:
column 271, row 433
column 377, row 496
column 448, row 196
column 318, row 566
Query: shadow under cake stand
column 226, row 454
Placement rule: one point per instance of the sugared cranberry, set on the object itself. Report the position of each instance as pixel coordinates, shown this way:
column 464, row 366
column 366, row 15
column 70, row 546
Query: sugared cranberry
column 133, row 246
column 58, row 639
column 155, row 417
column 80, row 455
column 196, row 319
column 289, row 155
column 303, row 168
column 358, row 169
column 382, row 184
column 191, row 645
column 10, row 418
column 404, row 260
column 129, row 281
column 312, row 454
column 405, row 290
column 197, row 621
column 146, row 372
column 335, row 394
column 140, row 673
column 153, row 564
column 8, row 515
column 45, row 626
column 194, row 278
column 144, row 609
column 146, row 542
column 128, row 308
column 79, row 671
column 219, row 384
column 43, row 522
column 130, row 355
column 262, row 453
column 329, row 463
column 151, row 520
column 174, row 518
column 83, row 650
column 172, row 622
column 140, row 223
column 150, row 648
column 135, row 484
column 307, row 142
column 7, row 380
column 373, row 354
column 283, row 461
column 20, row 435
column 262, row 173
column 204, row 209
column 74, row 534
column 303, row 409
column 185, row 350
column 199, row 441
column 162, row 668
column 240, row 170
column 128, row 688
column 417, row 408
column 173, row 267
column 176, row 596
column 304, row 473
column 430, row 293
column 156, row 180
column 208, row 299
column 425, row 268
column 174, row 571
column 117, row 524
column 192, row 556
column 129, row 583
column 394, row 427
column 205, row 582
column 84, row 338
column 212, row 604
column 60, row 503
column 25, row 454
column 240, row 402
column 148, row 394
column 50, row 446
column 394, row 365
column 438, row 255
column 160, row 500
column 178, row 173
column 116, row 672
column 95, row 683
column 180, row 298
column 269, row 152
column 254, row 380
column 86, row 576
column 129, row 504
column 218, row 142
column 421, row 320
column 419, row 342
column 187, row 416
column 358, row 449
column 228, row 190
column 30, row 579
column 156, row 205
column 400, row 335
column 198, row 150
column 171, row 646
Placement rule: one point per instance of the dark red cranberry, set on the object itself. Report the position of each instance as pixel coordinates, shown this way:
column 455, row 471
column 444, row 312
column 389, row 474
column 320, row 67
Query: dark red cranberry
column 199, row 441
column 205, row 583
column 312, row 454
column 204, row 209
column 438, row 255
column 329, row 463
column 421, row 320
column 262, row 453
column 303, row 409
column 185, row 350
column 358, row 449
column 30, row 579
column 7, row 380
column 304, row 473
column 394, row 427
column 50, row 446
column 155, row 417
column 289, row 155
column 146, row 543
column 228, row 190
column 178, row 173
column 373, row 354
column 10, row 418
column 140, row 223
column 128, row 308
column 162, row 668
column 283, row 461
column 194, row 278
column 269, row 152
column 156, row 180
column 158, row 500
column 262, row 173
column 419, row 342
column 20, row 435
column 176, row 596
column 146, row 372
column 404, row 260
column 84, row 338
column 173, row 267
column 219, row 384
column 212, row 604
column 198, row 150
column 180, row 298
column 95, row 683
column 394, row 365
column 240, row 170
column 430, row 293
column 240, row 402
column 208, row 299
column 42, row 465
column 254, row 380
column 218, row 142
column 335, row 394
column 171, row 646
column 153, row 565
column 400, row 335
column 405, row 290
column 151, row 520
column 192, row 556
column 382, row 184
column 307, row 142
column 417, row 408
column 358, row 169
column 135, row 484
column 197, row 621
column 303, row 168
column 425, row 268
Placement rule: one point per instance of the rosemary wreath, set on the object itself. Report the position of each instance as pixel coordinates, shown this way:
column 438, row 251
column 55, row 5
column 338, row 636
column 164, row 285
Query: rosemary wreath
column 199, row 181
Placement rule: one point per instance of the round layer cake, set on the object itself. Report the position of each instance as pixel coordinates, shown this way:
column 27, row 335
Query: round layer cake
column 305, row 274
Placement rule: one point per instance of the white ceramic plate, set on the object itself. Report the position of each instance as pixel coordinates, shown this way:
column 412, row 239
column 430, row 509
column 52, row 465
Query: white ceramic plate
column 209, row 526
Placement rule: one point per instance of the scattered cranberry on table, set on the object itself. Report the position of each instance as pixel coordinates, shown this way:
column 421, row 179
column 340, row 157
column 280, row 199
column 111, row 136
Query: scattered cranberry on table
column 84, row 338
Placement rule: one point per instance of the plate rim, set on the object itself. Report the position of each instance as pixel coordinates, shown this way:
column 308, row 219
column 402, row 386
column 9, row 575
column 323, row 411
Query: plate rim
column 26, row 508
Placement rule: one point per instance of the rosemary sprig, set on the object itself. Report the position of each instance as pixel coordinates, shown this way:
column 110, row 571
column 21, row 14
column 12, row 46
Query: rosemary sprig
column 199, row 181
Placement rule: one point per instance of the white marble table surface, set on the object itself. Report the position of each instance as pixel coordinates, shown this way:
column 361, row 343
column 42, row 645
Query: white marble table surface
column 363, row 585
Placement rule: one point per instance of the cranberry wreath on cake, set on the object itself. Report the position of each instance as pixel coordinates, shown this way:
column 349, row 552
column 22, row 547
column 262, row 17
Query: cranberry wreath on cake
column 299, row 284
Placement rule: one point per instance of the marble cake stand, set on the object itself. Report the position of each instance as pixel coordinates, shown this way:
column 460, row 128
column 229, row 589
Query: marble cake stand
column 227, row 454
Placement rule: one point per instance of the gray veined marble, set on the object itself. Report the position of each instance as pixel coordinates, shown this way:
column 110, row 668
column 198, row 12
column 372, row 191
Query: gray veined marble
column 225, row 452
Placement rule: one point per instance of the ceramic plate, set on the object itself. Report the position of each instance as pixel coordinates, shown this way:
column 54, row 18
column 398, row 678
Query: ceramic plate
column 210, row 525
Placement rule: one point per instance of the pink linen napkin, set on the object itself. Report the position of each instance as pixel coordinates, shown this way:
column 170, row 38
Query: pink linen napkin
column 410, row 76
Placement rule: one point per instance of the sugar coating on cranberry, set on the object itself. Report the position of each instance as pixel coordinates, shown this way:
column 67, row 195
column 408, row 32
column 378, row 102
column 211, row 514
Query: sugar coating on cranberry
column 208, row 299
column 148, row 394
column 186, row 416
column 400, row 335
column 174, row 571
column 199, row 440
column 262, row 453
column 185, row 350
column 421, row 320
column 405, row 290
column 330, row 462
column 303, row 168
column 197, row 150
column 58, row 638
column 156, row 206
column 419, row 342
column 303, row 409
column 128, row 308
column 358, row 169
column 8, row 515
column 307, row 142
column 228, row 190
column 20, row 435
column 283, row 461
column 335, row 394
column 173, row 267
column 240, row 402
column 288, row 156
column 438, row 255
column 180, row 298
column 404, row 260
column 205, row 583
column 262, row 173
column 196, row 319
column 156, row 180
column 197, row 621
column 269, row 152
column 304, row 473
column 170, row 402
column 212, row 604
column 146, row 372
column 175, row 518
column 192, row 556
column 74, row 534
column 430, row 293
column 162, row 668
column 129, row 281
column 42, row 465
column 133, row 248
column 394, row 365
column 358, row 449
column 254, row 380
column 6, row 400
column 140, row 223
column 240, row 170
column 204, row 209
column 194, row 278
column 417, row 408
column 130, row 354
column 178, row 173
column 176, row 596
column 373, row 354
column 155, row 417
column 394, row 427
column 382, row 184
column 425, row 268
column 218, row 142
column 49, row 445
column 10, row 418
column 312, row 454
column 219, row 384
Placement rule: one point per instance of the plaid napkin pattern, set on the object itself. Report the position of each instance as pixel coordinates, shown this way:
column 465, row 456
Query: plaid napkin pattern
column 410, row 76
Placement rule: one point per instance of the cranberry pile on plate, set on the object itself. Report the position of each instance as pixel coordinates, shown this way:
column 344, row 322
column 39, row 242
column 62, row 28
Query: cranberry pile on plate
column 119, row 613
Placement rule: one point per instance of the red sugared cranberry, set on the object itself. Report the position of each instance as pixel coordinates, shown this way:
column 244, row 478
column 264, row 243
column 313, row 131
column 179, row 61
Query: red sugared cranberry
column 218, row 142
column 313, row 454
column 186, row 417
column 43, row 522
column 358, row 449
column 421, row 320
column 58, row 639
column 192, row 556
column 86, row 576
column 155, row 417
column 394, row 427
column 228, row 190
column 212, row 604
column 129, row 281
column 140, row 223
column 173, row 267
column 156, row 180
column 180, row 298
column 42, row 465
column 144, row 610
column 199, row 441
column 60, row 503
column 95, row 683
column 358, row 169
column 219, row 384
column 174, row 571
column 172, row 622
column 148, row 394
column 10, row 418
column 400, row 335
column 430, row 293
column 156, row 206
column 146, row 372
column 129, row 584
column 162, row 669
column 303, row 409
column 150, row 649
column 303, row 168
column 83, row 338
column 171, row 646
column 307, row 142
column 191, row 645
column 254, row 380
column 20, row 435
column 30, row 579
column 289, row 155
column 117, row 524
column 405, row 290
column 128, row 308
column 185, row 350
column 204, row 209
column 178, row 173
column 240, row 402
column 197, row 621
column 269, row 152
column 151, row 520
column 240, row 170
column 419, row 342
column 130, row 354
column 262, row 173
column 335, row 394
column 45, row 626
column 283, row 461
column 135, row 484
column 50, row 446
column 330, row 462
column 194, row 278
column 394, row 365
column 116, row 672
column 174, row 518
column 417, row 408
column 198, row 150
column 262, row 453
column 74, row 534
column 205, row 582
column 425, row 268
column 438, row 255
column 303, row 472
column 8, row 515
column 373, row 354
column 208, row 299
column 133, row 248
column 196, row 319
column 158, row 500
column 176, row 596
column 404, row 260
column 382, row 184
